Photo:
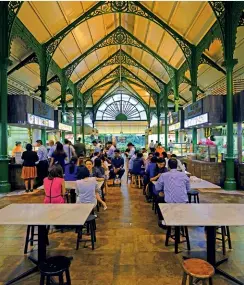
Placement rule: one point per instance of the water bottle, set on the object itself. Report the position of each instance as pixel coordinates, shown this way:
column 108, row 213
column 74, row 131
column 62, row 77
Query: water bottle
column 117, row 180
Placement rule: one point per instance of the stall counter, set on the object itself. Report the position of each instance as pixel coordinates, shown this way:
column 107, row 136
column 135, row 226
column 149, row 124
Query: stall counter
column 213, row 172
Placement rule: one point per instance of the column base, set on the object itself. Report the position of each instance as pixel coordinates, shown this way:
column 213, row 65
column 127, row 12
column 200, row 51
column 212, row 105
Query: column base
column 5, row 187
column 230, row 184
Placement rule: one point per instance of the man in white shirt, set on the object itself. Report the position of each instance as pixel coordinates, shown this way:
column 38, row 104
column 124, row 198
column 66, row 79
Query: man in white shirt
column 132, row 150
column 180, row 166
column 151, row 146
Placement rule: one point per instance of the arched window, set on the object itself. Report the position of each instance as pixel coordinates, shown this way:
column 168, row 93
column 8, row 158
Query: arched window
column 121, row 107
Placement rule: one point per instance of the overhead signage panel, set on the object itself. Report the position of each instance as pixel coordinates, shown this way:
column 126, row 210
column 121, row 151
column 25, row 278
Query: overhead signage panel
column 174, row 127
column 35, row 120
column 194, row 110
column 64, row 127
column 199, row 120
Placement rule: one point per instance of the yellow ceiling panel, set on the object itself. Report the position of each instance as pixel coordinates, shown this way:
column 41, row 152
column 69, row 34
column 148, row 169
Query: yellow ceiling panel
column 202, row 68
column 91, row 60
column 71, row 9
column 28, row 76
column 83, row 36
column 239, row 54
column 147, row 59
column 177, row 58
column 60, row 59
column 109, row 22
column 185, row 14
column 56, row 86
column 208, row 77
column 183, row 86
column 128, row 22
column 19, row 50
column 187, row 74
column 88, row 4
column 89, row 83
column 164, row 9
column 167, row 47
column 74, row 77
column 81, row 69
column 215, row 50
column 159, row 70
column 96, row 27
column 46, row 11
column 203, row 22
column 69, row 48
column 52, row 93
column 69, row 97
column 154, row 36
column 33, row 23
column 141, row 26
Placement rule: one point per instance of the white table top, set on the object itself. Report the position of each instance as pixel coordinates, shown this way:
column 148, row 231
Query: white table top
column 72, row 185
column 203, row 214
column 45, row 214
column 202, row 184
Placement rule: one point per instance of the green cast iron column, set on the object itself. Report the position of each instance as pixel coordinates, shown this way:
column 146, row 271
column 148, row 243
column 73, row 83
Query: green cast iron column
column 75, row 112
column 194, row 130
column 158, row 117
column 83, row 119
column 43, row 90
column 4, row 60
column 63, row 112
column 230, row 183
column 165, row 119
column 176, row 110
column 63, row 98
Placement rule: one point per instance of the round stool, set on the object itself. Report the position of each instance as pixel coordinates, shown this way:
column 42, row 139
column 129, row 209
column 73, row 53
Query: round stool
column 91, row 228
column 194, row 194
column 197, row 269
column 55, row 266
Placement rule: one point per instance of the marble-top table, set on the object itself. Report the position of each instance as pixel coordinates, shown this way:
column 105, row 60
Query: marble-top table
column 200, row 184
column 208, row 215
column 42, row 215
column 72, row 185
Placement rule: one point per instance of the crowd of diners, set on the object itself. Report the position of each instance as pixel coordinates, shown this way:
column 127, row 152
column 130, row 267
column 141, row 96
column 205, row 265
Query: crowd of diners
column 67, row 162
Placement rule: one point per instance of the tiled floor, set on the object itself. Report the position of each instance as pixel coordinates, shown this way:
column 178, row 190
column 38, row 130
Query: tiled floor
column 130, row 246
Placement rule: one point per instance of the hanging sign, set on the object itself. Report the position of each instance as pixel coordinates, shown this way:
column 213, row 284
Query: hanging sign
column 42, row 110
column 64, row 127
column 35, row 120
column 199, row 120
column 194, row 110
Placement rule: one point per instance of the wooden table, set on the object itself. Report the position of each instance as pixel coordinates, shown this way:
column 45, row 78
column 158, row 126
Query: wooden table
column 42, row 215
column 210, row 216
column 72, row 185
column 201, row 184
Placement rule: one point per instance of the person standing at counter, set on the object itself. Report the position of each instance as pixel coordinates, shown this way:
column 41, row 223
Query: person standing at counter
column 51, row 149
column 17, row 148
column 29, row 171
column 42, row 166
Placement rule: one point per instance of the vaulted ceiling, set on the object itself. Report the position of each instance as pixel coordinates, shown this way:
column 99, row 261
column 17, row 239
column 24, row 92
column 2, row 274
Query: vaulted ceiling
column 142, row 61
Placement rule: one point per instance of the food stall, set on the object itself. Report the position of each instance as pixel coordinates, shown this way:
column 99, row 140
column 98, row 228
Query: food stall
column 26, row 117
column 205, row 162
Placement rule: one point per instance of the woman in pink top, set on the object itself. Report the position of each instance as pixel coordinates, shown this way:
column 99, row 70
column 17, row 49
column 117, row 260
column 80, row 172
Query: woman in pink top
column 54, row 186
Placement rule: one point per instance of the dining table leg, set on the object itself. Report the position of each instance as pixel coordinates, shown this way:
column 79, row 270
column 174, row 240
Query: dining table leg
column 42, row 249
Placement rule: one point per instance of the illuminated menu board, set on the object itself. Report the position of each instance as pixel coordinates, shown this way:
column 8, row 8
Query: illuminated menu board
column 202, row 119
column 35, row 120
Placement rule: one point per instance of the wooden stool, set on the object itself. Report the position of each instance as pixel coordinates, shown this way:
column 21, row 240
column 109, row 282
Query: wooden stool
column 197, row 269
column 55, row 266
column 179, row 231
column 136, row 179
column 30, row 237
column 225, row 237
column 91, row 228
column 194, row 194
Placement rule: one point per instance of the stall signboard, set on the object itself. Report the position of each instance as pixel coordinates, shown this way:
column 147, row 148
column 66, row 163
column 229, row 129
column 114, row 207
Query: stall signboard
column 174, row 117
column 174, row 127
column 42, row 110
column 198, row 120
column 194, row 110
column 35, row 120
column 64, row 127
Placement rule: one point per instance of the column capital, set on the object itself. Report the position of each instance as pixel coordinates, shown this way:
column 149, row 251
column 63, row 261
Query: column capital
column 230, row 63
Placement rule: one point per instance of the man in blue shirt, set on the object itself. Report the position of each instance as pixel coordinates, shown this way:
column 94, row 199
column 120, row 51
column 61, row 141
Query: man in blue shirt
column 42, row 166
column 138, row 163
column 117, row 164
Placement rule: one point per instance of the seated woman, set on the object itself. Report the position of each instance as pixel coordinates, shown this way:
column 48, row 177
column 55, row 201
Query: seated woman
column 54, row 186
column 86, row 189
column 71, row 170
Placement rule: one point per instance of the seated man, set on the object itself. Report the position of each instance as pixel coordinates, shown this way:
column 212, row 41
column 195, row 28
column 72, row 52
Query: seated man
column 174, row 184
column 117, row 165
column 180, row 166
column 138, row 163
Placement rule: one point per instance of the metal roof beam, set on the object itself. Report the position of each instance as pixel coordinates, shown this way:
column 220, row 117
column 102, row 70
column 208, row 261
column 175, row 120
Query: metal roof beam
column 32, row 58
